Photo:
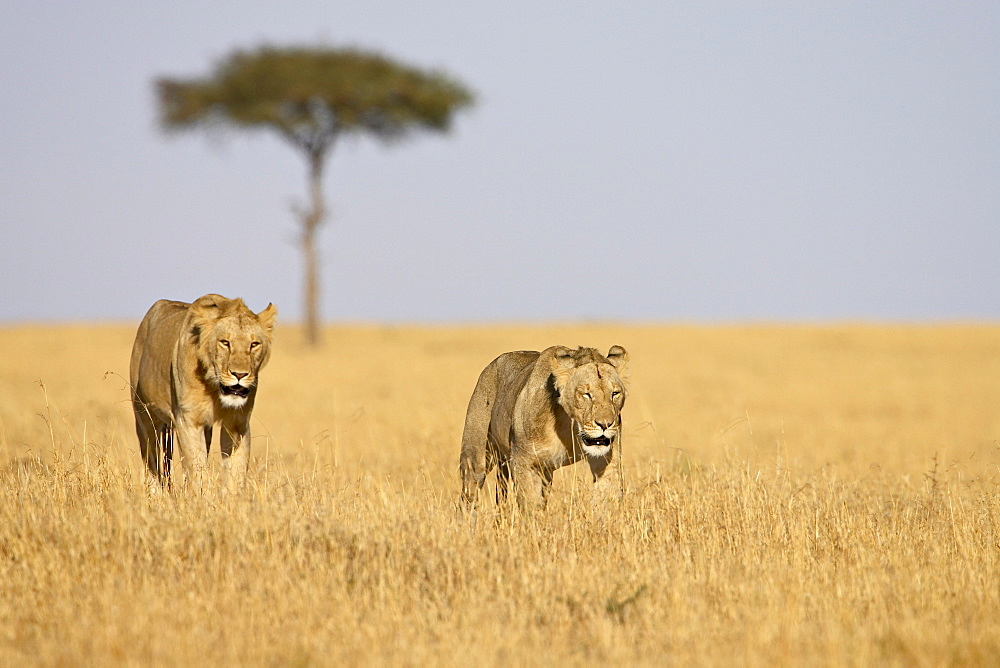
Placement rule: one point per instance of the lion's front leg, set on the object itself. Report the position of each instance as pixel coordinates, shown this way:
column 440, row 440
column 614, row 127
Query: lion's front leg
column 531, row 486
column 190, row 440
column 235, row 446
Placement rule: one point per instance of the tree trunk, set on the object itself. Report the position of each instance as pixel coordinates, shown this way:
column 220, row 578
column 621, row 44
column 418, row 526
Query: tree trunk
column 311, row 220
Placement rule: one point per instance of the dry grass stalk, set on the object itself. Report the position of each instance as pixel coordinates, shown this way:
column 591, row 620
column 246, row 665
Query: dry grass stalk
column 816, row 495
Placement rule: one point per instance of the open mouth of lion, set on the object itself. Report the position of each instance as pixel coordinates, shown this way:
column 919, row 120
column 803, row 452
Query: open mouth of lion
column 595, row 441
column 234, row 390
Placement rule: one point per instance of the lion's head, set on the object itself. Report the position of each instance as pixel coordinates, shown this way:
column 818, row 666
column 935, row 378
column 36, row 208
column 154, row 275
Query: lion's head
column 592, row 390
column 233, row 345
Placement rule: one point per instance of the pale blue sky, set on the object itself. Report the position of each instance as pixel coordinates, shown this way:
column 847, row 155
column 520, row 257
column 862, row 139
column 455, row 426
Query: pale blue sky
column 638, row 161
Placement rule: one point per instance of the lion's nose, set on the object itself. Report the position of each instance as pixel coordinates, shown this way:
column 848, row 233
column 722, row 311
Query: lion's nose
column 603, row 425
column 239, row 376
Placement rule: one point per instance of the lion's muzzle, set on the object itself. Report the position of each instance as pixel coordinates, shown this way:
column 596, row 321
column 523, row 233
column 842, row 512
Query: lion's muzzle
column 597, row 443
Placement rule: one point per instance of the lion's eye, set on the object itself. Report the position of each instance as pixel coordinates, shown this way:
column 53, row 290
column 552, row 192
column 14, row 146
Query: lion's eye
column 254, row 344
column 224, row 343
column 586, row 395
column 615, row 394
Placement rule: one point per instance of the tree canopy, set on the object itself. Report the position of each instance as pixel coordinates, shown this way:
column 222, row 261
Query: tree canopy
column 313, row 95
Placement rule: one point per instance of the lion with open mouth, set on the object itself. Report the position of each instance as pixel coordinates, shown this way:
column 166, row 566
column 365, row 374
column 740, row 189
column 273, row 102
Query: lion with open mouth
column 533, row 412
column 194, row 366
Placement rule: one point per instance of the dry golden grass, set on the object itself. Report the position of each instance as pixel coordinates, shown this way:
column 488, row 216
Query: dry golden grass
column 806, row 495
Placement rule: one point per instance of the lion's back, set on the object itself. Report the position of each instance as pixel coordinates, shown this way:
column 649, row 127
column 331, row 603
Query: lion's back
column 155, row 340
column 509, row 373
column 513, row 370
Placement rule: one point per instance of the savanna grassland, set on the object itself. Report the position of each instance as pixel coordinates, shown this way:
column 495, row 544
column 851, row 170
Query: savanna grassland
column 794, row 495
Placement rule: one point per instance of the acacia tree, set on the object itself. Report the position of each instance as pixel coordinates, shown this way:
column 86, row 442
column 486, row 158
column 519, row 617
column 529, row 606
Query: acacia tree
column 311, row 97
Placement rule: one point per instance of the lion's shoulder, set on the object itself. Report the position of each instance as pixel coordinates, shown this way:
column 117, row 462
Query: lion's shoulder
column 160, row 328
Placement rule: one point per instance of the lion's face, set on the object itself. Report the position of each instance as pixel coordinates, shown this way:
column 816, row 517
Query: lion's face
column 234, row 344
column 592, row 390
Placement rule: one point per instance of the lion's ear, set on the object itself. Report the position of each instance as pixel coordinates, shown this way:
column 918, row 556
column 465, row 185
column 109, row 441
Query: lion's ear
column 562, row 364
column 204, row 310
column 618, row 357
column 266, row 318
column 208, row 302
